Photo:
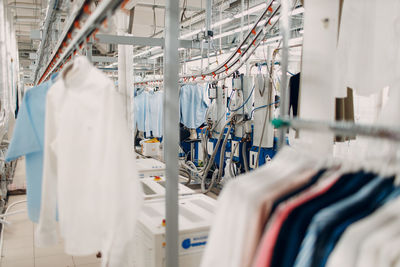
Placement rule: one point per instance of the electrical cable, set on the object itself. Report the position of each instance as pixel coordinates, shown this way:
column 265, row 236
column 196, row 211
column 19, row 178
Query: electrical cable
column 244, row 103
column 260, row 107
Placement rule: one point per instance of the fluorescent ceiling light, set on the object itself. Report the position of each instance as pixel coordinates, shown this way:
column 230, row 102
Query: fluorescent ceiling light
column 273, row 20
column 233, row 32
column 298, row 11
column 156, row 56
column 227, row 20
column 221, row 22
column 190, row 34
column 251, row 11
column 147, row 51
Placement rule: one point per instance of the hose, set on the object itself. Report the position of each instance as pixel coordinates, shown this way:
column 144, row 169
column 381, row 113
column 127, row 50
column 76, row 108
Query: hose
column 185, row 173
column 231, row 170
column 222, row 154
column 208, row 167
column 246, row 165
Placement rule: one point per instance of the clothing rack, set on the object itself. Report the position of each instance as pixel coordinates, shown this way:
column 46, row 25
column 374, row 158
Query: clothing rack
column 340, row 128
column 77, row 35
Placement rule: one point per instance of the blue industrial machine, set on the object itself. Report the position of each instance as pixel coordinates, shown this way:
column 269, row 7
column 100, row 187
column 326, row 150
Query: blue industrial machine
column 238, row 136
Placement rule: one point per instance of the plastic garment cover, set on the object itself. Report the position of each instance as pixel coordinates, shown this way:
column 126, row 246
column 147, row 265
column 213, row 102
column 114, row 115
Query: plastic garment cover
column 193, row 105
column 89, row 168
column 368, row 57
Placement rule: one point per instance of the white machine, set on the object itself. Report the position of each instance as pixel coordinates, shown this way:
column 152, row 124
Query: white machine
column 195, row 215
column 148, row 167
column 155, row 188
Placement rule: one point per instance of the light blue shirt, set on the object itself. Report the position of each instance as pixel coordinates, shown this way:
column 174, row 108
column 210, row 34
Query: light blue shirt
column 149, row 113
column 155, row 113
column 28, row 141
column 193, row 105
column 140, row 111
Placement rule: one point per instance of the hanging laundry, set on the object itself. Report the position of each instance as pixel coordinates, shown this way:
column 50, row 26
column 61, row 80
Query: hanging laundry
column 141, row 103
column 294, row 86
column 348, row 251
column 237, row 241
column 28, row 141
column 294, row 211
column 328, row 224
column 156, row 104
column 89, row 168
column 149, row 107
column 368, row 51
column 193, row 105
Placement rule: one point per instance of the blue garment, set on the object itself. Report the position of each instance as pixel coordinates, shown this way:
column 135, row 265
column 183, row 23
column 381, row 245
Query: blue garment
column 328, row 224
column 155, row 113
column 381, row 200
column 28, row 141
column 193, row 105
column 295, row 226
column 149, row 113
column 297, row 191
column 140, row 110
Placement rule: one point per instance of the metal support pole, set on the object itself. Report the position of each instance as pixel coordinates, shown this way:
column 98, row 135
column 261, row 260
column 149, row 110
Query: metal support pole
column 242, row 21
column 208, row 16
column 171, row 132
column 284, row 106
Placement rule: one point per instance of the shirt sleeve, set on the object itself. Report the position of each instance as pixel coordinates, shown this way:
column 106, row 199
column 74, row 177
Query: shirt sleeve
column 46, row 233
column 24, row 139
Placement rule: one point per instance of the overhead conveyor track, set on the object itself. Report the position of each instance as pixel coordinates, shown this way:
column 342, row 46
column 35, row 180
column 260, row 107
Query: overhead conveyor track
column 78, row 31
column 246, row 47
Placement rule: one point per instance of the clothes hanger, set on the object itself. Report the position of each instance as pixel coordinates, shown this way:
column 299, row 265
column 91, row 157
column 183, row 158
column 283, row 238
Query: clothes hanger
column 67, row 69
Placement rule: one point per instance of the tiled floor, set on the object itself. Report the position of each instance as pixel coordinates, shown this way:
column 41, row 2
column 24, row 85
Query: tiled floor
column 18, row 246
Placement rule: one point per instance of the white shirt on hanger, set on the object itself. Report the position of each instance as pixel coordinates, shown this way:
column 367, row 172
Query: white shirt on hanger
column 89, row 168
column 238, row 205
column 348, row 250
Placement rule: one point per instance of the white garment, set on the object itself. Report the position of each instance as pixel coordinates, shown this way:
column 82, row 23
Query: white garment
column 237, row 206
column 389, row 252
column 368, row 53
column 347, row 251
column 89, row 168
column 369, row 256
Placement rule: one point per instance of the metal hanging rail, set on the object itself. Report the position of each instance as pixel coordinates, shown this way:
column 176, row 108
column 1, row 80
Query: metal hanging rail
column 68, row 28
column 73, row 41
column 49, row 16
column 340, row 128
